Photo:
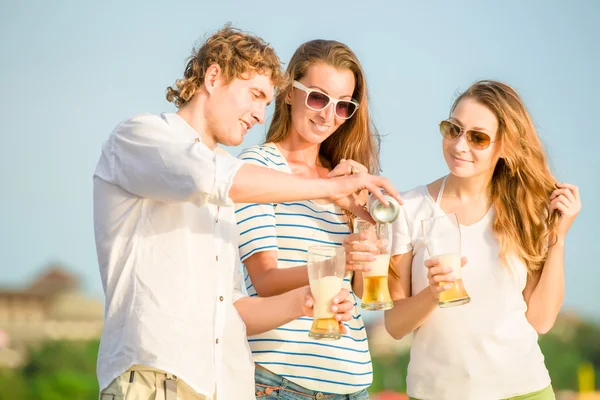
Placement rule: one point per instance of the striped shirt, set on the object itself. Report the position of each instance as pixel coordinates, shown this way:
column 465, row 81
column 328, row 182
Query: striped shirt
column 342, row 366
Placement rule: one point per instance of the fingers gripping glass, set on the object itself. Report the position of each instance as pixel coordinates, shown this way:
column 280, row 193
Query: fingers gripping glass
column 318, row 101
column 442, row 238
column 376, row 294
column 477, row 140
column 326, row 269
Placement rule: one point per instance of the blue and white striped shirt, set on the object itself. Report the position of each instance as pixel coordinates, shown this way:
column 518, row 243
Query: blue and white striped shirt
column 343, row 366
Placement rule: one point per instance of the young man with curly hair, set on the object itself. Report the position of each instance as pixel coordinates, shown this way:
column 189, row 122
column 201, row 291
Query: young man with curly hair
column 175, row 318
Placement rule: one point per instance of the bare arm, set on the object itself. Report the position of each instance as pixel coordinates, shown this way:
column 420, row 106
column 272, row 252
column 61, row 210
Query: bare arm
column 142, row 158
column 544, row 292
column 262, row 314
column 409, row 311
column 269, row 280
column 256, row 184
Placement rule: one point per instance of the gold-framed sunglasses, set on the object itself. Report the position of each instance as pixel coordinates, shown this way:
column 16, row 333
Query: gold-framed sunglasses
column 476, row 140
column 318, row 101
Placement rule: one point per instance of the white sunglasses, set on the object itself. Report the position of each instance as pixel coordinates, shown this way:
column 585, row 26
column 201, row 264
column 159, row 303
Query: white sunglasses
column 318, row 101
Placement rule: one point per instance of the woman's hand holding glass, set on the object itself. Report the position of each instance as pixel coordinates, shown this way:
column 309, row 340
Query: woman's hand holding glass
column 436, row 273
column 359, row 253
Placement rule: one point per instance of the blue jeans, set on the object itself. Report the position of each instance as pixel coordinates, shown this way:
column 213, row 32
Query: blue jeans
column 270, row 386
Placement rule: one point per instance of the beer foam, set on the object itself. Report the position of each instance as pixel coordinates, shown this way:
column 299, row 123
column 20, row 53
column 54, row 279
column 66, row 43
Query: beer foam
column 323, row 291
column 380, row 266
column 451, row 260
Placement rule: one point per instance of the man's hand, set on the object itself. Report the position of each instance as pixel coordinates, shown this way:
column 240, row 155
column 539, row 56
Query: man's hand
column 343, row 188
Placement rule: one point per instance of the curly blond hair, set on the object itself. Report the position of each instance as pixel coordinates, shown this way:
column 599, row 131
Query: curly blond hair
column 236, row 52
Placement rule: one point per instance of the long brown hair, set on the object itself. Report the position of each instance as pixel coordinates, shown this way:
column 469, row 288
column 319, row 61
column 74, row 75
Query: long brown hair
column 522, row 181
column 356, row 139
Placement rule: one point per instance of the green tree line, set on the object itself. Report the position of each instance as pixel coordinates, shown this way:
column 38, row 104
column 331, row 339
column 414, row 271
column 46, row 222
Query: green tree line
column 59, row 370
column 563, row 353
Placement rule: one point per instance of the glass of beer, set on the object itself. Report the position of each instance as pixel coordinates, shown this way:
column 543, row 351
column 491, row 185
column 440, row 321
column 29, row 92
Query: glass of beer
column 326, row 269
column 443, row 241
column 376, row 293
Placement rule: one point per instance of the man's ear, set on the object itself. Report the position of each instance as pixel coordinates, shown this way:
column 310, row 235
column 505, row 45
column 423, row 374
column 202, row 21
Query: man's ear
column 212, row 77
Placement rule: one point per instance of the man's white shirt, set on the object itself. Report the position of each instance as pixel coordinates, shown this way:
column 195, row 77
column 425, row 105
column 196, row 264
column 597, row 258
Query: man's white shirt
column 166, row 238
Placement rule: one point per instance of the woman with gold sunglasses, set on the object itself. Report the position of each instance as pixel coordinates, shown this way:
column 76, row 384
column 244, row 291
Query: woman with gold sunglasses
column 513, row 219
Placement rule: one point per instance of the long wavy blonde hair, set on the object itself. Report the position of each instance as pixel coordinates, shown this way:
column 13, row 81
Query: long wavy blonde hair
column 522, row 181
column 357, row 138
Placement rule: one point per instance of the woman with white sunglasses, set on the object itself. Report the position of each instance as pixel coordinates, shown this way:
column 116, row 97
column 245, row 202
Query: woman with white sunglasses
column 513, row 219
column 321, row 127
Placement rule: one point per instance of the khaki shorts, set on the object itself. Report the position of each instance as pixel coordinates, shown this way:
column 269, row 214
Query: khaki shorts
column 141, row 382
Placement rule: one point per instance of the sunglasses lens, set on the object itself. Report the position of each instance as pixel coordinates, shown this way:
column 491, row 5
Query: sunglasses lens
column 478, row 140
column 449, row 130
column 345, row 109
column 317, row 100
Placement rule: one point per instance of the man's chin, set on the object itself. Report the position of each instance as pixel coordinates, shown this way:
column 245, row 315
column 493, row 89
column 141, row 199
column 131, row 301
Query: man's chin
column 233, row 141
column 237, row 141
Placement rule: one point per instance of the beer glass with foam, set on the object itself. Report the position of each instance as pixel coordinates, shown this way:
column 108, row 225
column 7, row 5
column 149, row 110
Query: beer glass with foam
column 326, row 269
column 376, row 294
column 443, row 241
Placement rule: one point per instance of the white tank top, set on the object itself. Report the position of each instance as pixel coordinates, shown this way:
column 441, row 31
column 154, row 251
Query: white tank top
column 485, row 349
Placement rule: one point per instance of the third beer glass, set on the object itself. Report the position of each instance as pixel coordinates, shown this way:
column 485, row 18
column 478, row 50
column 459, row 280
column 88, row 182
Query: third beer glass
column 443, row 241
column 326, row 269
column 376, row 294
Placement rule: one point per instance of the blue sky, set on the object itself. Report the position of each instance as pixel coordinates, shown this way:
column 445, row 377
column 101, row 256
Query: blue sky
column 72, row 70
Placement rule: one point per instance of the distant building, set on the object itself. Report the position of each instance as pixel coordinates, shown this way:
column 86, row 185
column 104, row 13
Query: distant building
column 51, row 308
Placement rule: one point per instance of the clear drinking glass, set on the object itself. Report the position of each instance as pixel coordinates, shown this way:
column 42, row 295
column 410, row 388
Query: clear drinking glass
column 326, row 269
column 376, row 293
column 443, row 241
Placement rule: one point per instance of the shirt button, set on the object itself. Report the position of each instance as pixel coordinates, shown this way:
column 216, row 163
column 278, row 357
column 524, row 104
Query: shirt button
column 197, row 140
column 217, row 341
column 221, row 298
column 217, row 258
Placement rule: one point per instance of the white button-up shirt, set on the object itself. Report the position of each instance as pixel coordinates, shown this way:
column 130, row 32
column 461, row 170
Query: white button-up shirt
column 167, row 238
